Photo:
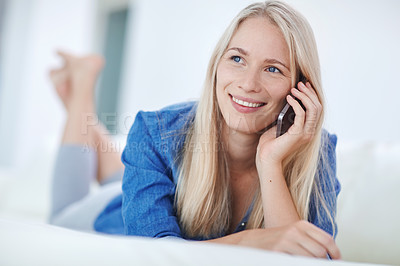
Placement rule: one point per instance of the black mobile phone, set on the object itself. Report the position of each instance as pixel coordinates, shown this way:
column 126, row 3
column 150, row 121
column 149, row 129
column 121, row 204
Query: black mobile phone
column 286, row 118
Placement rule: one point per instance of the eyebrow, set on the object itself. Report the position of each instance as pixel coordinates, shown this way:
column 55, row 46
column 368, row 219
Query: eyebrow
column 268, row 60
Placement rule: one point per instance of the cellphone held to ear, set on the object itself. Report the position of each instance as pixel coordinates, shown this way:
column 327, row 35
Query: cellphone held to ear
column 286, row 118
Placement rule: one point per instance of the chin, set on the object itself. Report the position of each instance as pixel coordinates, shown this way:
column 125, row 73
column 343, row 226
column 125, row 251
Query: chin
column 246, row 125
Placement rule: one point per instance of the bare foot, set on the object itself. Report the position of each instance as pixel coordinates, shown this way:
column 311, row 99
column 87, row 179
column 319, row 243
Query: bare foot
column 76, row 80
column 61, row 83
column 82, row 66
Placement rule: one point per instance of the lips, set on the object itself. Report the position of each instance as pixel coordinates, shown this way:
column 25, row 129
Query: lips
column 245, row 105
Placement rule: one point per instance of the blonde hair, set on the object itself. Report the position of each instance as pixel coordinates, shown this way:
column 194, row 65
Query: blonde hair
column 203, row 196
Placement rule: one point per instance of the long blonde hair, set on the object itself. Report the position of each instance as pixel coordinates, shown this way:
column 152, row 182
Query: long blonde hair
column 203, row 196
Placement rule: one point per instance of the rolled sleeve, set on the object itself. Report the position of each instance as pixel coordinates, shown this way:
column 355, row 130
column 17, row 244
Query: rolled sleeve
column 148, row 187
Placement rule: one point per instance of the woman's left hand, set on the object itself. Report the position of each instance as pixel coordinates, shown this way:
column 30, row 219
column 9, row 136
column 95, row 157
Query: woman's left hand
column 272, row 150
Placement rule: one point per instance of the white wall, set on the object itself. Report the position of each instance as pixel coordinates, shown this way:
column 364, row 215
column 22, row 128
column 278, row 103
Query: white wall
column 358, row 41
column 359, row 50
column 31, row 116
column 13, row 48
column 168, row 49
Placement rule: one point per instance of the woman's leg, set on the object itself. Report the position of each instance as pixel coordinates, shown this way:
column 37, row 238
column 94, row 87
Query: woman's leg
column 84, row 153
column 110, row 167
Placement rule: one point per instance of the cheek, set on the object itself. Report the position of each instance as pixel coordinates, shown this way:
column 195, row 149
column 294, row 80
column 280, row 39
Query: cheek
column 280, row 90
column 222, row 77
column 219, row 90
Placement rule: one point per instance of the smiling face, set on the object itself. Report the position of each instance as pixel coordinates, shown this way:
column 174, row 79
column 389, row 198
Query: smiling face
column 253, row 76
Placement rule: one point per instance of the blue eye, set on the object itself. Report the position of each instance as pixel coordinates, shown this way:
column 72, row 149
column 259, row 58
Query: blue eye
column 273, row 69
column 236, row 58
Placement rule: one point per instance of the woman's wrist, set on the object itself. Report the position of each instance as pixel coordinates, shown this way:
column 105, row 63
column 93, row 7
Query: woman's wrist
column 232, row 239
column 269, row 168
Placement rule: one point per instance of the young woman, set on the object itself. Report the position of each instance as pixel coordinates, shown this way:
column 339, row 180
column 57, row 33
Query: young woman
column 214, row 170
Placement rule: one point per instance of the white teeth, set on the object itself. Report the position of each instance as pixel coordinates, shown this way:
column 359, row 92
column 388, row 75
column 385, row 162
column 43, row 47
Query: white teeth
column 247, row 104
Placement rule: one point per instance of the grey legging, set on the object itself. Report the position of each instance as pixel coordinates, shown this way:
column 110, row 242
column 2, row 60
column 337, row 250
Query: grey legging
column 72, row 204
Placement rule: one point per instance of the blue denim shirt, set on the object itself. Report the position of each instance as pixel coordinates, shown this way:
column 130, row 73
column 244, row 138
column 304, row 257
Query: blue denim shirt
column 146, row 206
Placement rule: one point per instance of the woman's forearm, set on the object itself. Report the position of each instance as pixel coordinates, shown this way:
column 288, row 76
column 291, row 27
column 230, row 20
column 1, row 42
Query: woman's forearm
column 232, row 239
column 286, row 239
column 278, row 206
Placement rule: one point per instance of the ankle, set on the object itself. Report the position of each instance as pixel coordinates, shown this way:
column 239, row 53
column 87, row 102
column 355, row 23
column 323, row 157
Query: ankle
column 82, row 105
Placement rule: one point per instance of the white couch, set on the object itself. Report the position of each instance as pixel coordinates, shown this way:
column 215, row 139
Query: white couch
column 368, row 216
column 369, row 203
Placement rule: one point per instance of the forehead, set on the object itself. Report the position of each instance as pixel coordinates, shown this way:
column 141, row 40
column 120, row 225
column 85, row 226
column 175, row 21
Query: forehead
column 261, row 38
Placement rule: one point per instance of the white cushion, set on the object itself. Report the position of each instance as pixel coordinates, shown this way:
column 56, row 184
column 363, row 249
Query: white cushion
column 40, row 244
column 368, row 205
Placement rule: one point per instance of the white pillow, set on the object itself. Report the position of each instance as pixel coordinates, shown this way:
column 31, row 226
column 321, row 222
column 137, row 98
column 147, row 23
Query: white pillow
column 369, row 203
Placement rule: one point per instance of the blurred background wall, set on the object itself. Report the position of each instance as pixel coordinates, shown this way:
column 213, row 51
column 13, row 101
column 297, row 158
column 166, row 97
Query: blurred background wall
column 157, row 52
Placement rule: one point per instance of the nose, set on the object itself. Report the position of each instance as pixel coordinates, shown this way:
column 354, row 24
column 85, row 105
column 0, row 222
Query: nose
column 250, row 81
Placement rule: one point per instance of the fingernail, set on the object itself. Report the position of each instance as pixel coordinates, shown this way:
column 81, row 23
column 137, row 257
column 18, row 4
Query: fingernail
column 301, row 85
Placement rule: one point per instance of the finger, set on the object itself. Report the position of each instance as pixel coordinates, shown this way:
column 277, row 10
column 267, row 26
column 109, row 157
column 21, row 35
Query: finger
column 309, row 91
column 66, row 56
column 299, row 118
column 290, row 241
column 313, row 246
column 331, row 248
column 305, row 99
column 325, row 240
column 313, row 112
column 63, row 54
column 297, row 249
column 57, row 75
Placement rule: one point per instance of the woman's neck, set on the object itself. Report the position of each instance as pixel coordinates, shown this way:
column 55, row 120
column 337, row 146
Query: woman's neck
column 241, row 150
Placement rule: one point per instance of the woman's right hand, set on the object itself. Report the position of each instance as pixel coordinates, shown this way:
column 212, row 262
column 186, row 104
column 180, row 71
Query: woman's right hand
column 299, row 238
